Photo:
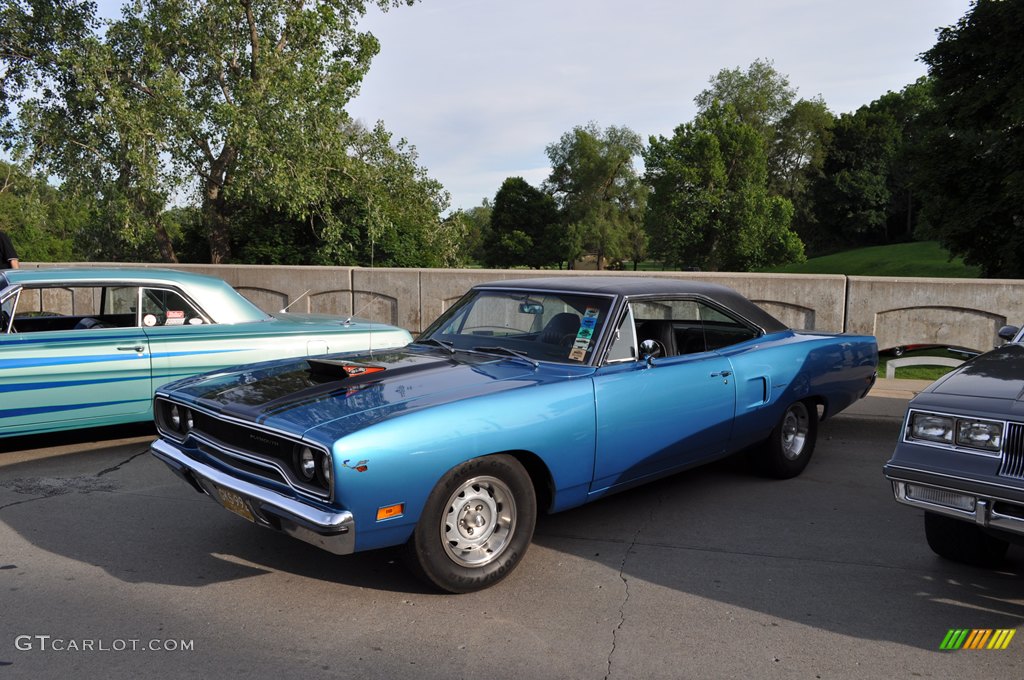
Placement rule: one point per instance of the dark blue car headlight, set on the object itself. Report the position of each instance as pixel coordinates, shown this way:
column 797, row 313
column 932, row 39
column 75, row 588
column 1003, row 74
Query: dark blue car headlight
column 969, row 433
column 986, row 435
column 931, row 427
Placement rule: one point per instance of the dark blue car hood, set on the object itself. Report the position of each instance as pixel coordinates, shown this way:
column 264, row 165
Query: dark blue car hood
column 998, row 374
column 292, row 397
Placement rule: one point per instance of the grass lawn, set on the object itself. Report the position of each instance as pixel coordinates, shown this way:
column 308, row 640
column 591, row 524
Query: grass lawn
column 919, row 372
column 921, row 258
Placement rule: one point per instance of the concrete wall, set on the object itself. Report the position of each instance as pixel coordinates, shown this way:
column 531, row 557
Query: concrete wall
column 899, row 311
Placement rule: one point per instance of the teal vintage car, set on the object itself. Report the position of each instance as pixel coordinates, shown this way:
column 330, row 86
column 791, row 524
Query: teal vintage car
column 83, row 347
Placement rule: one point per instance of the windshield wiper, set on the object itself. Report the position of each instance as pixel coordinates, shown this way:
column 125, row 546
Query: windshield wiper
column 443, row 344
column 511, row 352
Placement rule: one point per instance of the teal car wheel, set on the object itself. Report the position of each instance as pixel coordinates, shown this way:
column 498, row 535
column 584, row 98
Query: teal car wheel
column 476, row 525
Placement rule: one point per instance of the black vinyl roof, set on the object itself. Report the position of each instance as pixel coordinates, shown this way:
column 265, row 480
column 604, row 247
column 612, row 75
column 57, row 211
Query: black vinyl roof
column 638, row 286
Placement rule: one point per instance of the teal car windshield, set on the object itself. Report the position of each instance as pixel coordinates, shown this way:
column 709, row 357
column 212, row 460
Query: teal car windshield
column 543, row 326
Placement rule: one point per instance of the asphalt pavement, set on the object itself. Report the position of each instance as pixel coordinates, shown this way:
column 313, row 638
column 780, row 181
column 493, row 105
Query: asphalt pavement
column 110, row 567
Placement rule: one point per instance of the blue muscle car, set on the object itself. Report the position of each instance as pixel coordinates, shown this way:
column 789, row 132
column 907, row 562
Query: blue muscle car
column 88, row 346
column 525, row 395
column 960, row 456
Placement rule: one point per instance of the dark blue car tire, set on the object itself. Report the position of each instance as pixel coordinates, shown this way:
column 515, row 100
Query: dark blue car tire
column 791, row 444
column 962, row 541
column 476, row 525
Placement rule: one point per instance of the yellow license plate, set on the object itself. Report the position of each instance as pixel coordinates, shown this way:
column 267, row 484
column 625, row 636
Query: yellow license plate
column 235, row 503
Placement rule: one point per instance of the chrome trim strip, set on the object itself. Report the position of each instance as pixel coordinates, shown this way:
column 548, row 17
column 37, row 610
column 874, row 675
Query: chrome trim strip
column 332, row 531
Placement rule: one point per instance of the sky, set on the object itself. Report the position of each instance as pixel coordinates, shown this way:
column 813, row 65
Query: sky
column 482, row 87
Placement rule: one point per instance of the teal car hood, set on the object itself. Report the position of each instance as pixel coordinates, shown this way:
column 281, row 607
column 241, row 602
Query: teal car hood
column 304, row 395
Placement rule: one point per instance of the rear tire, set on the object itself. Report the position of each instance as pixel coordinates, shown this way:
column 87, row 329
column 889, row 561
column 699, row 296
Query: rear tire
column 476, row 525
column 791, row 444
column 962, row 541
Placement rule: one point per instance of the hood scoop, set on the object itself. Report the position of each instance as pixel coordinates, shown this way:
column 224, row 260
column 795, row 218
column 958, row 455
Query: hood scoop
column 337, row 369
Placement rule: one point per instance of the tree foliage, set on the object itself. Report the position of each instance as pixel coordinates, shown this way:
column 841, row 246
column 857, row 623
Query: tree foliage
column 598, row 190
column 523, row 226
column 40, row 221
column 972, row 175
column 710, row 207
column 229, row 101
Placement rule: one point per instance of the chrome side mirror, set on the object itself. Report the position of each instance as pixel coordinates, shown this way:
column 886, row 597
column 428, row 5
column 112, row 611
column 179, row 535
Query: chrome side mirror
column 650, row 350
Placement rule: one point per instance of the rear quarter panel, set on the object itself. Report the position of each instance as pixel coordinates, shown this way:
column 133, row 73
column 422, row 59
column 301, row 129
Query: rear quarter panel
column 778, row 369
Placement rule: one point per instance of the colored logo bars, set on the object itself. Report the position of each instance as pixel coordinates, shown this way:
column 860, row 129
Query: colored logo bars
column 977, row 638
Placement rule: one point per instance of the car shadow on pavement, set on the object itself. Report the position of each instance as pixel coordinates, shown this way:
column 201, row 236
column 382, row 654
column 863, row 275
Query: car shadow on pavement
column 829, row 550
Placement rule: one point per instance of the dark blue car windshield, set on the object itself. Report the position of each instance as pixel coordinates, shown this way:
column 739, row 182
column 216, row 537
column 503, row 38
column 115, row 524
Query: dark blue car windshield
column 543, row 326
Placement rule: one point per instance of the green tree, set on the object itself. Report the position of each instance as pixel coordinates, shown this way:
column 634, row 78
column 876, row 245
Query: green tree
column 220, row 98
column 40, row 219
column 478, row 229
column 866, row 193
column 973, row 182
column 523, row 226
column 795, row 132
column 710, row 207
column 598, row 191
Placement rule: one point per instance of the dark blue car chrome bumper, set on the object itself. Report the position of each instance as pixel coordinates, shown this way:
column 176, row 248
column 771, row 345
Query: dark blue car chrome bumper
column 331, row 531
column 991, row 506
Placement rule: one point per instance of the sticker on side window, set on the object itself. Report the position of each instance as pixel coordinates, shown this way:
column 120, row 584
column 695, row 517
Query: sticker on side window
column 175, row 317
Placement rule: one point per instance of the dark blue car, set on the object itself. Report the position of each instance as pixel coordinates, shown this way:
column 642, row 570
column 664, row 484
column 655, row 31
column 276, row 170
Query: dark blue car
column 960, row 456
column 530, row 395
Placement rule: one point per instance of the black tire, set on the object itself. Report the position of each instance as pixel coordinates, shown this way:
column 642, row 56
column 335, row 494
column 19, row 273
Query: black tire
column 476, row 525
column 791, row 444
column 962, row 541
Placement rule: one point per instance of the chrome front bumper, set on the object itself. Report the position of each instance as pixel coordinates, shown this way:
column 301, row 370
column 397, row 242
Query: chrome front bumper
column 985, row 511
column 331, row 531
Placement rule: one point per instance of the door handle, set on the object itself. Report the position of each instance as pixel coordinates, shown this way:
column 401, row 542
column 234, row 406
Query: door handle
column 136, row 348
column 721, row 374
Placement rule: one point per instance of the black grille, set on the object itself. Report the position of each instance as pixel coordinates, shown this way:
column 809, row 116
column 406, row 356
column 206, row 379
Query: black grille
column 1013, row 452
column 246, row 439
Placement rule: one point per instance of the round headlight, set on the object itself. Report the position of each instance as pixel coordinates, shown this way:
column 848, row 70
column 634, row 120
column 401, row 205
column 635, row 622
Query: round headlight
column 325, row 469
column 175, row 417
column 189, row 422
column 307, row 463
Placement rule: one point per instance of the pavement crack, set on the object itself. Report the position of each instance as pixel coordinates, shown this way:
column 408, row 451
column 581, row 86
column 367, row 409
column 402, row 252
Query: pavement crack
column 129, row 459
column 625, row 587
column 27, row 500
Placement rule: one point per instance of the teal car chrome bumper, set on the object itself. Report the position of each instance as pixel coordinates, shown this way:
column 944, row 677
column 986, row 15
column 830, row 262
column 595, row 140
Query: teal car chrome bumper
column 331, row 531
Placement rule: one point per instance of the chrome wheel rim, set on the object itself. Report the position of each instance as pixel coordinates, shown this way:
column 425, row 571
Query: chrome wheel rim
column 795, row 426
column 479, row 521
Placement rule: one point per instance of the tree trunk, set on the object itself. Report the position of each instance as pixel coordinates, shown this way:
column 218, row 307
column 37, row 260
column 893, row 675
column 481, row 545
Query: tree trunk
column 163, row 242
column 217, row 233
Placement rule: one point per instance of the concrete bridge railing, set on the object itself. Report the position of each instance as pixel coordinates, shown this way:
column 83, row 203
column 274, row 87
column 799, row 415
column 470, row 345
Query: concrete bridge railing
column 898, row 311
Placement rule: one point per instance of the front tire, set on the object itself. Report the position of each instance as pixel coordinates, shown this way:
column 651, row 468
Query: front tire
column 791, row 443
column 476, row 525
column 962, row 541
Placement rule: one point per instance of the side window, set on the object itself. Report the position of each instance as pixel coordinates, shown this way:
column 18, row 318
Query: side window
column 687, row 326
column 161, row 307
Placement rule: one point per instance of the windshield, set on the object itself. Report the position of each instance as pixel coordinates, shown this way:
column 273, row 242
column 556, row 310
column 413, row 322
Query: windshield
column 543, row 326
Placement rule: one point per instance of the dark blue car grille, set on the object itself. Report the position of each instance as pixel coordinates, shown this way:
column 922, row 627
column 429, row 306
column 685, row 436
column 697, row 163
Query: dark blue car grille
column 1013, row 452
